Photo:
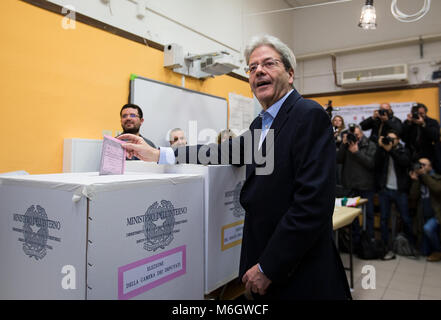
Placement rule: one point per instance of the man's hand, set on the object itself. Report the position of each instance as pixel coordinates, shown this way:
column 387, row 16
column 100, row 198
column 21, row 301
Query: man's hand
column 419, row 121
column 255, row 281
column 353, row 147
column 384, row 118
column 387, row 147
column 344, row 138
column 136, row 146
column 376, row 115
column 413, row 175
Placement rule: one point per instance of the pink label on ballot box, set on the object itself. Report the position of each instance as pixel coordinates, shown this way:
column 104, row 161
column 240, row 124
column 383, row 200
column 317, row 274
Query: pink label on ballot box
column 146, row 274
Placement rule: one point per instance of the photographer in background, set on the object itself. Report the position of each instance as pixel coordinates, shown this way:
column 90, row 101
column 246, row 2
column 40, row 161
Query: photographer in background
column 381, row 122
column 338, row 124
column 392, row 161
column 357, row 156
column 177, row 138
column 420, row 133
column 426, row 189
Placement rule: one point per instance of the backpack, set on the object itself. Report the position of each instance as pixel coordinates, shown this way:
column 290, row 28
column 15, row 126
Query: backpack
column 401, row 245
column 370, row 249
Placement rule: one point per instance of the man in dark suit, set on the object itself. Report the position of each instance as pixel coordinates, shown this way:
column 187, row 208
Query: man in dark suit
column 288, row 251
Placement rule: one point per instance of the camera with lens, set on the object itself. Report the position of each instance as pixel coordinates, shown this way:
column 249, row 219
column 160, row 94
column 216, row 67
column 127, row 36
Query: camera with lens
column 383, row 113
column 329, row 109
column 417, row 166
column 386, row 140
column 414, row 111
column 350, row 136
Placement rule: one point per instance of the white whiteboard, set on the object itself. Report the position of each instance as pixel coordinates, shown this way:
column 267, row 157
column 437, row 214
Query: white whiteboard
column 165, row 107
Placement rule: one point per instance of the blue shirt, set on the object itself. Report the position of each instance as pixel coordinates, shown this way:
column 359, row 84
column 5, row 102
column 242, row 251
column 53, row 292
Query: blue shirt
column 269, row 115
column 167, row 156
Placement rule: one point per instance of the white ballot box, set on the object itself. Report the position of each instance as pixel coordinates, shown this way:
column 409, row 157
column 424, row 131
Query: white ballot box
column 224, row 216
column 85, row 236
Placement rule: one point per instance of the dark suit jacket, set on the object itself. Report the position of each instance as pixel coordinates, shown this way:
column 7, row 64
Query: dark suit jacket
column 288, row 222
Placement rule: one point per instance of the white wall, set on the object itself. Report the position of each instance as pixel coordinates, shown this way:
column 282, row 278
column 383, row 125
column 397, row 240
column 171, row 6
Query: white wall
column 199, row 26
column 315, row 75
column 278, row 24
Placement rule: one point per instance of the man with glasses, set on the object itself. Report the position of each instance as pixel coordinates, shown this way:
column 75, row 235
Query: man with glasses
column 131, row 121
column 426, row 189
column 288, row 250
column 392, row 162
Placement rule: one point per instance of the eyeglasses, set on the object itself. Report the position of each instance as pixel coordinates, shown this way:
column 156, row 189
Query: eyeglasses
column 268, row 64
column 131, row 115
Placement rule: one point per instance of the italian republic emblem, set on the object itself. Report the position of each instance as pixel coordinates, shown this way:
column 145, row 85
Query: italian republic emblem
column 158, row 225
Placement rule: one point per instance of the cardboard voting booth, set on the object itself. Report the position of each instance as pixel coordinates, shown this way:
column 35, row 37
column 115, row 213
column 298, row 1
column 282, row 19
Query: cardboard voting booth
column 85, row 236
column 224, row 216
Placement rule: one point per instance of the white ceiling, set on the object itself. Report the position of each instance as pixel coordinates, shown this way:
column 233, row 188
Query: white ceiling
column 302, row 3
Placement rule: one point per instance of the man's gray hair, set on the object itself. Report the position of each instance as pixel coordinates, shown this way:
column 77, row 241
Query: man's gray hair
column 288, row 57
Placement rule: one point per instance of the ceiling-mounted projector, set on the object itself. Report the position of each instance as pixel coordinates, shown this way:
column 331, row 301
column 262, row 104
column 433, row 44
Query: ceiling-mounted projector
column 199, row 65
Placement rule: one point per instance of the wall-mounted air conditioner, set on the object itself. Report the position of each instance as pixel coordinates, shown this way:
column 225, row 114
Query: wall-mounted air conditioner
column 395, row 74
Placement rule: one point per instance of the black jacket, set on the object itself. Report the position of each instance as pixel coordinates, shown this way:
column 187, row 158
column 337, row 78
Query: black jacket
column 370, row 123
column 358, row 168
column 420, row 140
column 401, row 159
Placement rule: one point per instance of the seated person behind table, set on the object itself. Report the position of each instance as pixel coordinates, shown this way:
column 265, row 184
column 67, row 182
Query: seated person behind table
column 131, row 121
column 177, row 138
column 225, row 135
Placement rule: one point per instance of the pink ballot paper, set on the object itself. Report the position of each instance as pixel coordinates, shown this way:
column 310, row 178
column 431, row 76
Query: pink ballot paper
column 113, row 156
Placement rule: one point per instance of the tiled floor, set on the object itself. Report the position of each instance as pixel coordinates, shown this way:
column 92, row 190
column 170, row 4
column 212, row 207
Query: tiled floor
column 398, row 279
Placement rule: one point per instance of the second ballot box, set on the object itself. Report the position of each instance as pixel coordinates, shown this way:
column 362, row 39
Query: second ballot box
column 224, row 216
column 85, row 236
